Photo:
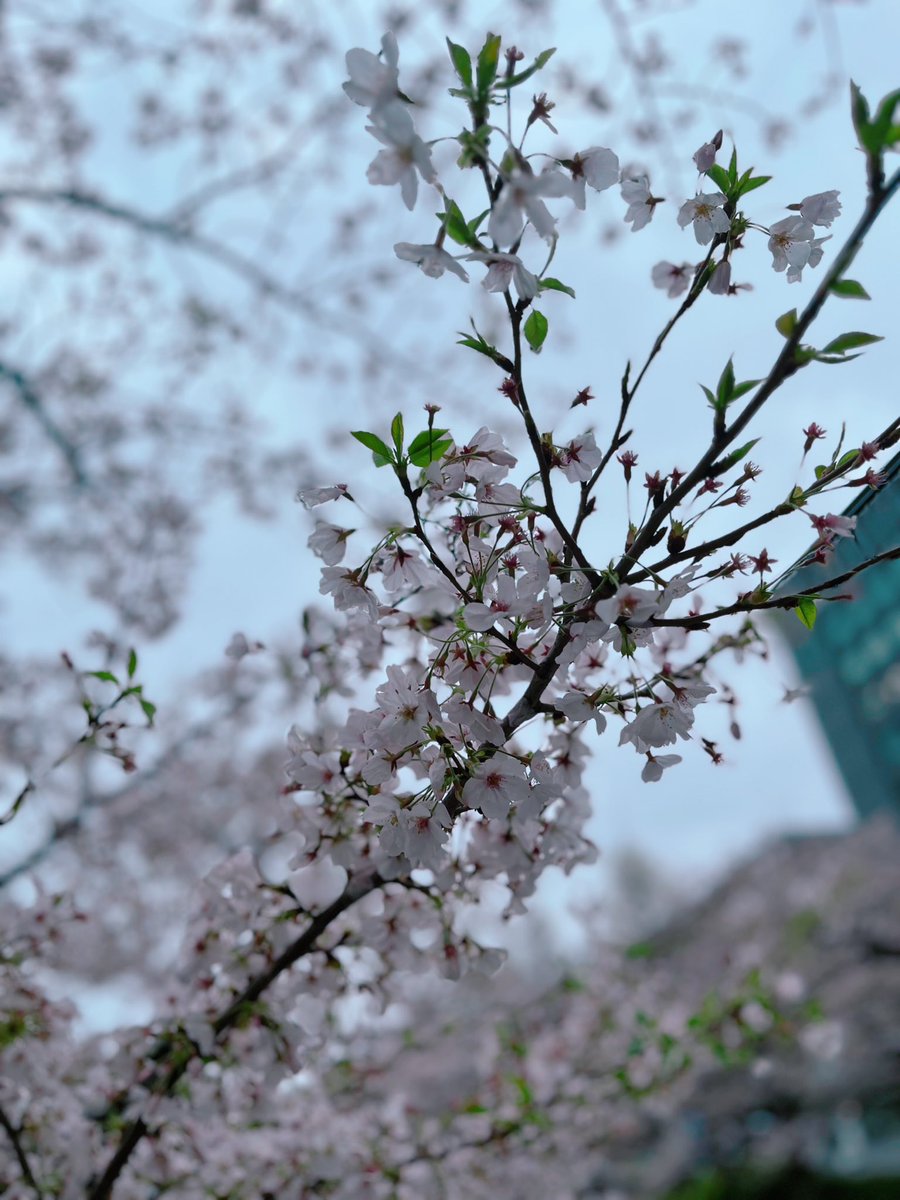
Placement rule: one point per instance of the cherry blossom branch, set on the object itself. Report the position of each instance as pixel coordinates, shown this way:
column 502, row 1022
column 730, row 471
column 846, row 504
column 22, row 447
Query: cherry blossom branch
column 14, row 1136
column 619, row 438
column 163, row 1084
column 515, row 316
column 785, row 366
column 701, row 620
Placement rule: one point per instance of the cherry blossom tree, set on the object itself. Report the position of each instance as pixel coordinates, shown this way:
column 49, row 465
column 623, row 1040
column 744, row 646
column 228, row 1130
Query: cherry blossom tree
column 476, row 651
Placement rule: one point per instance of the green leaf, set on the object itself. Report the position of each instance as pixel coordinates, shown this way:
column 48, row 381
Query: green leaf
column 708, row 394
column 456, row 225
column 462, row 62
column 719, row 176
column 725, row 388
column 884, row 127
column 850, row 341
column 806, row 611
column 859, row 107
column 732, row 168
column 554, row 285
column 541, row 61
column 535, row 330
column 428, row 446
column 397, row 433
column 787, row 323
column 752, row 184
column 834, row 359
column 105, row 676
column 849, row 288
column 132, row 663
column 381, row 453
column 741, row 389
column 488, row 58
column 736, row 455
column 474, row 223
column 149, row 710
column 846, row 458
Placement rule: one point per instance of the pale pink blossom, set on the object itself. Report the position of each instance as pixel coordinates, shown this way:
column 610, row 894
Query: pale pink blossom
column 495, row 786
column 674, row 279
column 580, row 458
column 641, row 204
column 430, row 259
column 504, row 270
column 374, row 80
column 821, row 209
column 405, row 158
column 328, row 542
column 790, row 241
column 311, row 497
column 597, row 167
column 656, row 764
column 521, row 199
column 707, row 214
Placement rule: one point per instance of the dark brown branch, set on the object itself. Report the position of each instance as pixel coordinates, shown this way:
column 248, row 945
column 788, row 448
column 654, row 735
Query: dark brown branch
column 33, row 403
column 164, row 1082
column 702, row 620
column 18, row 1149
column 784, row 367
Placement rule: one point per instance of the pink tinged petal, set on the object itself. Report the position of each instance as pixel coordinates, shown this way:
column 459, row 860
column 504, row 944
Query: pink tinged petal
column 822, row 208
column 478, row 617
column 540, row 217
column 506, row 220
column 600, row 168
column 720, row 281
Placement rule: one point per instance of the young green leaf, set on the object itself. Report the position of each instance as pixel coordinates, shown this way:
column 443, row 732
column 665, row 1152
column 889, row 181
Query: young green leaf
column 554, row 285
column 725, row 388
column 428, row 446
column 849, row 288
column 105, row 676
column 806, row 611
column 850, row 341
column 535, row 330
column 149, row 710
column 381, row 454
column 719, row 176
column 741, row 389
column 456, row 225
column 735, row 456
column 542, row 59
column 753, row 183
column 488, row 58
column 462, row 62
column 132, row 663
column 397, row 433
column 787, row 323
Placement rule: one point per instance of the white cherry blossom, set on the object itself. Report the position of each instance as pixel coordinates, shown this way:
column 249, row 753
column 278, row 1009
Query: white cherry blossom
column 521, row 199
column 503, row 270
column 374, row 80
column 790, row 241
column 406, row 157
column 430, row 259
column 821, row 209
column 641, row 203
column 598, row 167
column 674, row 279
column 707, row 214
